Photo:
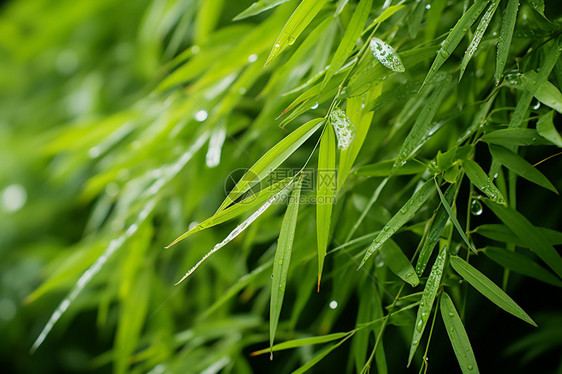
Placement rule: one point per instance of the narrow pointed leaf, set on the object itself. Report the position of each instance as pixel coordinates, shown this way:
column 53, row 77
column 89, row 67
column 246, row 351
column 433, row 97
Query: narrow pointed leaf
column 479, row 178
column 422, row 129
column 457, row 335
column 401, row 217
column 520, row 166
column 258, row 7
column 528, row 234
column 384, row 169
column 489, row 289
column 233, row 211
column 349, row 40
column 546, row 129
column 272, row 159
column 455, row 37
column 435, row 231
column 301, row 17
column 478, row 34
column 546, row 92
column 386, row 55
column 386, row 14
column 426, row 303
column 453, row 217
column 325, row 189
column 521, row 264
column 502, row 233
column 515, row 137
column 398, row 263
column 323, row 353
column 282, row 259
column 302, row 342
column 506, row 34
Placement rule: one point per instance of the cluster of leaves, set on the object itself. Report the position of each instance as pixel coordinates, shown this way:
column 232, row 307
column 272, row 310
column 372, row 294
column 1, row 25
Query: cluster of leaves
column 430, row 154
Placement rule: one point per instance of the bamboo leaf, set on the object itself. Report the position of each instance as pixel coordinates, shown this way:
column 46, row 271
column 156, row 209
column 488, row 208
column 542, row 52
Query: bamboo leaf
column 453, row 217
column 426, row 303
column 398, row 263
column 435, row 231
column 455, row 37
column 457, row 335
column 326, row 351
column 233, row 211
column 546, row 92
column 386, row 14
column 521, row 264
column 506, row 33
column 386, row 55
column 515, row 137
column 479, row 178
column 384, row 169
column 528, row 234
column 301, row 17
column 326, row 189
column 502, row 233
column 489, row 289
column 258, row 7
column 520, row 166
column 422, row 129
column 546, row 129
column 271, row 160
column 349, row 40
column 400, row 218
column 283, row 259
column 478, row 34
column 303, row 342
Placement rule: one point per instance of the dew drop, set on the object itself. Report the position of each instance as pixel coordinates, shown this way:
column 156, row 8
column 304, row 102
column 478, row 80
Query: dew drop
column 333, row 304
column 291, row 40
column 315, row 106
column 277, row 45
column 536, row 104
column 476, row 208
column 451, row 314
column 201, row 115
column 419, row 325
column 443, row 53
column 428, row 7
column 469, row 367
column 13, row 198
column 252, row 58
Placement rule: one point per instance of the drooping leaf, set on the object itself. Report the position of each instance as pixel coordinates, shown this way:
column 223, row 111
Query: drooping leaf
column 400, row 218
column 271, row 160
column 303, row 342
column 323, row 353
column 520, row 166
column 426, row 303
column 521, row 264
column 325, row 193
column 502, row 233
column 301, row 17
column 479, row 179
column 546, row 129
column 258, row 7
column 528, row 234
column 455, row 37
column 384, row 169
column 506, row 33
column 457, row 335
column 488, row 288
column 546, row 92
column 398, row 263
column 283, row 259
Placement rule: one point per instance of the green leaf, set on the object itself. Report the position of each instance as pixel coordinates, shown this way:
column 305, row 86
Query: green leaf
column 422, row 129
column 455, row 36
column 552, row 55
column 283, row 259
column 386, row 55
column 435, row 231
column 546, row 92
column 386, row 14
column 258, row 7
column 384, row 169
column 515, row 137
column 233, row 211
column 520, row 166
column 546, row 129
column 478, row 34
column 506, row 33
column 528, row 234
column 453, row 217
column 303, row 342
column 521, row 264
column 401, row 217
column 502, row 233
column 398, row 263
column 426, row 303
column 479, row 178
column 325, row 189
column 457, row 335
column 326, row 351
column 488, row 288
column 301, row 17
column 271, row 160
column 349, row 40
